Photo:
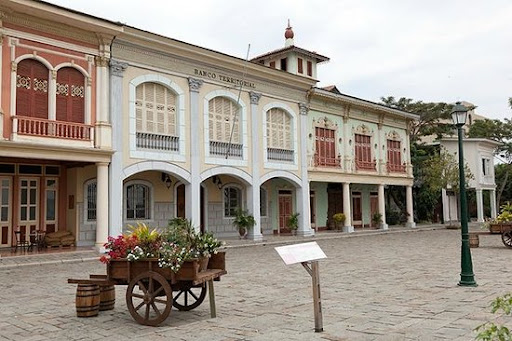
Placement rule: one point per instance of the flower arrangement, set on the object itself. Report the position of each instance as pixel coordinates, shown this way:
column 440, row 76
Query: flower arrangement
column 178, row 243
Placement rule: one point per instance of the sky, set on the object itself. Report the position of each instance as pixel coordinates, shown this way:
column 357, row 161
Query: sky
column 434, row 51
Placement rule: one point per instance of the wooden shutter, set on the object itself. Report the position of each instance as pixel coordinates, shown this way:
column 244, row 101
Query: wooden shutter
column 222, row 115
column 299, row 65
column 70, row 95
column 310, row 68
column 32, row 89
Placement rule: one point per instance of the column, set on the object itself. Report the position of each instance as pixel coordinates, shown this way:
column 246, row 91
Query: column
column 103, row 128
column 479, row 206
column 347, row 226
column 302, row 194
column 116, row 164
column 382, row 208
column 492, row 195
column 347, row 164
column 409, row 205
column 193, row 190
column 379, row 153
column 102, row 205
column 446, row 206
column 253, row 192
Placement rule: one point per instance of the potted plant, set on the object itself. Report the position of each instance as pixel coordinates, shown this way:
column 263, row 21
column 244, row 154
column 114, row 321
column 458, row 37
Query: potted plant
column 376, row 219
column 293, row 223
column 243, row 222
column 504, row 218
column 339, row 220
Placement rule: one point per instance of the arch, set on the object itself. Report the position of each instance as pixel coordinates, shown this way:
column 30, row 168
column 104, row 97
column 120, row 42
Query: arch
column 36, row 57
column 282, row 174
column 280, row 106
column 224, row 93
column 182, row 174
column 74, row 66
column 228, row 171
column 155, row 79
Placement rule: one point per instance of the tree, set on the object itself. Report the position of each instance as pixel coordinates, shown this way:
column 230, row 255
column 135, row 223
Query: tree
column 442, row 171
column 431, row 116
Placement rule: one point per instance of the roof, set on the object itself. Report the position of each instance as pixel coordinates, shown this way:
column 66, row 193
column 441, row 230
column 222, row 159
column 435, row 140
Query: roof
column 318, row 57
column 332, row 88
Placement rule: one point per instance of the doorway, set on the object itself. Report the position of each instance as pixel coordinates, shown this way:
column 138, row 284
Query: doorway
column 357, row 213
column 285, row 210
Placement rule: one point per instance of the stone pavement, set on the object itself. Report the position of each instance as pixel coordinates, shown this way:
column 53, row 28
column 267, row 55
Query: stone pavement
column 375, row 286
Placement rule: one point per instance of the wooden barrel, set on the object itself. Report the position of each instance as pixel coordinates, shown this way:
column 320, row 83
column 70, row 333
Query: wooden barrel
column 107, row 297
column 474, row 240
column 87, row 300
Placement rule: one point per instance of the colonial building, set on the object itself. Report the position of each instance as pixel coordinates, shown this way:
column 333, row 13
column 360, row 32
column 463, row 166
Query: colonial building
column 105, row 125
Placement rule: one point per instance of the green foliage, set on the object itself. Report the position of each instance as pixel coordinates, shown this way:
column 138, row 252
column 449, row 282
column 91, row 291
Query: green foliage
column 490, row 331
column 442, row 171
column 181, row 232
column 377, row 218
column 293, row 221
column 393, row 217
column 339, row 218
column 243, row 219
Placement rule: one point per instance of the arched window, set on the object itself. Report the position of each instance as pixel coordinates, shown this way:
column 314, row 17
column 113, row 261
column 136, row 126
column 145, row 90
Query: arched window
column 32, row 89
column 279, row 129
column 70, row 94
column 223, row 114
column 90, row 204
column 232, row 200
column 138, row 201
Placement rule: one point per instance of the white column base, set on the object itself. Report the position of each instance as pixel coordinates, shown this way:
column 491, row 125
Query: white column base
column 256, row 237
column 383, row 226
column 348, row 229
column 306, row 233
column 411, row 224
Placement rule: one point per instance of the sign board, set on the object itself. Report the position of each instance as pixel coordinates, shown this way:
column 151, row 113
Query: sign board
column 298, row 253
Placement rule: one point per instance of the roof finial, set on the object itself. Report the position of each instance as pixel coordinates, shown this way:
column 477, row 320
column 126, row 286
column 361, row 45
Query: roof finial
column 288, row 34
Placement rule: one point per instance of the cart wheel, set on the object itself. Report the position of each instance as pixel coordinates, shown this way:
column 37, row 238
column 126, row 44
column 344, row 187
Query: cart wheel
column 189, row 297
column 149, row 298
column 506, row 237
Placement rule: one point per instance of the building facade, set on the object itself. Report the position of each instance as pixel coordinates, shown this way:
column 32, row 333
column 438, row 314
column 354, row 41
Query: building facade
column 104, row 125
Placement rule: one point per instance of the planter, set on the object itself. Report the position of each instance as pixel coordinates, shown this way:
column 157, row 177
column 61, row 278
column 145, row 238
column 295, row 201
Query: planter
column 500, row 227
column 242, row 232
column 218, row 261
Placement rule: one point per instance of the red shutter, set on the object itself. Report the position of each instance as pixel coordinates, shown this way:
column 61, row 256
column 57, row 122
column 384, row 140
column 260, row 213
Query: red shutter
column 299, row 65
column 310, row 69
column 32, row 99
column 70, row 99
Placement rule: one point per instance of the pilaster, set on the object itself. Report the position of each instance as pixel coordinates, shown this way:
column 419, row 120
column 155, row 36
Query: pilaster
column 253, row 192
column 102, row 205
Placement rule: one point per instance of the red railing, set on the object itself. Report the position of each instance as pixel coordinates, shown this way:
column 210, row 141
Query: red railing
column 47, row 128
column 365, row 165
column 395, row 168
column 325, row 161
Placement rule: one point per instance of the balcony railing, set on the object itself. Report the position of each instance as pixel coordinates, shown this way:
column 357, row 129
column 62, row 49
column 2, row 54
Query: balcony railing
column 396, row 168
column 158, row 142
column 221, row 149
column 325, row 161
column 365, row 165
column 48, row 128
column 278, row 154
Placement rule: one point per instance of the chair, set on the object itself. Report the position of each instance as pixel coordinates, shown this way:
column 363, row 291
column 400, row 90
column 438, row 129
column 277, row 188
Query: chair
column 21, row 243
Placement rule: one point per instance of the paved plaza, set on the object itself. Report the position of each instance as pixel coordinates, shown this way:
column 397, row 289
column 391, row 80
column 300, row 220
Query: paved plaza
column 380, row 286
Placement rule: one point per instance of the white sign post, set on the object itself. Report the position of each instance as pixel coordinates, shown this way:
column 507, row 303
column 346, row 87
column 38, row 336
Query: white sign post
column 308, row 255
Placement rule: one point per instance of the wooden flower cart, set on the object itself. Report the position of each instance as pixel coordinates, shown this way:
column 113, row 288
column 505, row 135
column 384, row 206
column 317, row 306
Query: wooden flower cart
column 149, row 295
column 505, row 229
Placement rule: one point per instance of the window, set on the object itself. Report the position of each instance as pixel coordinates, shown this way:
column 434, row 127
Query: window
column 232, row 200
column 299, row 65
column 363, row 152
column 279, row 135
column 394, row 163
column 223, row 117
column 310, row 69
column 284, row 64
column 51, row 199
column 273, row 64
column 70, row 94
column 263, row 202
column 325, row 143
column 138, row 202
column 91, row 200
column 486, row 166
column 32, row 89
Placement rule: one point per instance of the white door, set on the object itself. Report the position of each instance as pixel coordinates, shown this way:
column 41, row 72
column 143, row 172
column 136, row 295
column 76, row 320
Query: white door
column 28, row 220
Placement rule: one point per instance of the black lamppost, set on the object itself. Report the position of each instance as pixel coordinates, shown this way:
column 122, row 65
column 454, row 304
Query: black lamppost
column 467, row 278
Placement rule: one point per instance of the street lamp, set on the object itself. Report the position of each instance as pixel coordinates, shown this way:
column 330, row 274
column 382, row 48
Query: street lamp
column 467, row 278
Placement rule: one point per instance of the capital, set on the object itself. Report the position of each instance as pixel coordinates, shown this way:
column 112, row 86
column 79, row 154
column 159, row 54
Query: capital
column 303, row 109
column 194, row 84
column 255, row 97
column 101, row 61
column 117, row 68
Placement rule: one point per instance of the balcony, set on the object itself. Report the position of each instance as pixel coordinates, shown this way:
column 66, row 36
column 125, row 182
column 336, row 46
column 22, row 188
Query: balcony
column 277, row 154
column 158, row 142
column 366, row 165
column 223, row 148
column 38, row 127
column 325, row 161
column 396, row 168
